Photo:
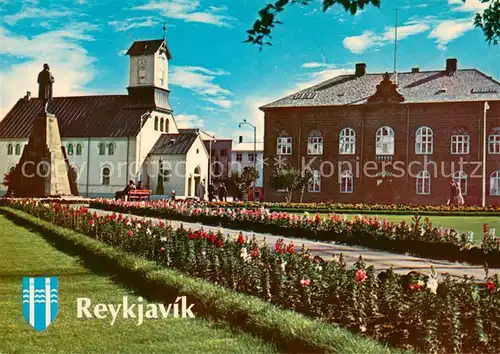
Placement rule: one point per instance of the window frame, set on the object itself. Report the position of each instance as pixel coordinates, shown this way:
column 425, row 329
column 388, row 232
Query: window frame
column 347, row 141
column 239, row 157
column 495, row 178
column 156, row 123
column 461, row 175
column 18, row 149
column 252, row 157
column 464, row 143
column 70, row 149
column 79, row 149
column 494, row 143
column 10, row 149
column 315, row 145
column 424, row 141
column 107, row 176
column 284, row 146
column 345, row 177
column 379, row 137
column 314, row 185
column 102, row 149
column 423, row 180
column 111, row 149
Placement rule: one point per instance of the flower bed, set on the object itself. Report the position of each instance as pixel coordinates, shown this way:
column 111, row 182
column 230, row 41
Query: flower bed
column 412, row 311
column 418, row 238
column 452, row 210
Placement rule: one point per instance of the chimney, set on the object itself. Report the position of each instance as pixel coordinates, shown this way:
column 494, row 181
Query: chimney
column 241, row 139
column 360, row 69
column 415, row 70
column 28, row 96
column 451, row 66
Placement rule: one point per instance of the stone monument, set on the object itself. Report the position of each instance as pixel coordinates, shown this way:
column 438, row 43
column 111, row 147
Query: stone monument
column 43, row 170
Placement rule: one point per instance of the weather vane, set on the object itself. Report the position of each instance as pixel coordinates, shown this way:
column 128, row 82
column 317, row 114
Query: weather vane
column 164, row 29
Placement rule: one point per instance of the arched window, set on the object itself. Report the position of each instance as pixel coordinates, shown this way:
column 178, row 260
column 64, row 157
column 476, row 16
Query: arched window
column 460, row 142
column 315, row 143
column 495, row 183
column 106, row 176
column 162, row 125
column 70, row 149
column 346, row 182
column 424, row 143
column 385, row 141
column 347, row 142
column 284, row 144
column 18, row 149
column 156, row 123
column 167, row 125
column 10, row 149
column 461, row 178
column 494, row 141
column 102, row 149
column 315, row 182
column 423, row 183
column 111, row 149
column 78, row 149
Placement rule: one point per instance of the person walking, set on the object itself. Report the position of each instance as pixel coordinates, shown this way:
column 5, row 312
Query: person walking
column 211, row 192
column 202, row 191
column 223, row 193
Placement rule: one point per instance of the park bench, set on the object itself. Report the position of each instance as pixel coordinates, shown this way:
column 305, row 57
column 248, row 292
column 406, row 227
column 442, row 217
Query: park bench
column 139, row 194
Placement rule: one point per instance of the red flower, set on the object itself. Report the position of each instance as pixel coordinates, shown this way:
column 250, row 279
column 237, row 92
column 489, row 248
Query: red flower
column 412, row 286
column 130, row 233
column 305, row 282
column 255, row 253
column 360, row 276
column 290, row 248
column 219, row 243
column 92, row 223
column 162, row 249
column 485, row 228
column 241, row 240
column 491, row 286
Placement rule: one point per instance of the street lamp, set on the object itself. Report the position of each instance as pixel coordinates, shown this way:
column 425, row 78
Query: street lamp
column 254, row 155
column 140, row 140
column 212, row 140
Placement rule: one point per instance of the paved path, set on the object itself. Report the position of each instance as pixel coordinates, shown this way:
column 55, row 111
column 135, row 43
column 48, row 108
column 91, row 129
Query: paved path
column 379, row 259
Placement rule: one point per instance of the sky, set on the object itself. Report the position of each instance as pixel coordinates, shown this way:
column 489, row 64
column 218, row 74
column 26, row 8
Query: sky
column 215, row 79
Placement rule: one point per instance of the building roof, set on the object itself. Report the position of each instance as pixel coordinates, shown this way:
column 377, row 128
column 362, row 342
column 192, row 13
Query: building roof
column 247, row 147
column 173, row 144
column 416, row 87
column 84, row 116
column 148, row 48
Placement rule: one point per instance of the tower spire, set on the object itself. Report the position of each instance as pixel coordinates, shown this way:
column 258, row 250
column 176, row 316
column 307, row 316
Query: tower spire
column 164, row 29
column 396, row 49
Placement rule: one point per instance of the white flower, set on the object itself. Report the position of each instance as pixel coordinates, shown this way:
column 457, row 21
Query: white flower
column 148, row 232
column 432, row 285
column 138, row 225
column 163, row 238
column 204, row 253
column 492, row 232
column 244, row 255
column 283, row 265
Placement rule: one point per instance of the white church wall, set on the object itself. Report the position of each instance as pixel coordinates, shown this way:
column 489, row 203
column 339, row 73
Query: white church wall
column 7, row 161
column 197, row 156
column 176, row 164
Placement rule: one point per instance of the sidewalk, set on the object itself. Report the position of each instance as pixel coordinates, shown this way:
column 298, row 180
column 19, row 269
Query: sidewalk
column 379, row 259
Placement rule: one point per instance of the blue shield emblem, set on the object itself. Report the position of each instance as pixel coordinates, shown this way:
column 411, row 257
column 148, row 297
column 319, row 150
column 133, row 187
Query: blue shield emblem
column 40, row 301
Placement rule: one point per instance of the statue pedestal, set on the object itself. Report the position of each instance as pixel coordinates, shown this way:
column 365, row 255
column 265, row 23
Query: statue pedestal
column 43, row 169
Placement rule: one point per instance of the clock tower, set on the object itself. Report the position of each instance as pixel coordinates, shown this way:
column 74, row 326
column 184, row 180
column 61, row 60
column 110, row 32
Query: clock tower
column 148, row 84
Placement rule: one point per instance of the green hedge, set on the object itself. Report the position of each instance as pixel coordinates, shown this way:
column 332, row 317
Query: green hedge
column 291, row 331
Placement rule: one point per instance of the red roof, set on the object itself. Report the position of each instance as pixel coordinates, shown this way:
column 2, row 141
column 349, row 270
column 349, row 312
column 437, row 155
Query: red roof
column 85, row 116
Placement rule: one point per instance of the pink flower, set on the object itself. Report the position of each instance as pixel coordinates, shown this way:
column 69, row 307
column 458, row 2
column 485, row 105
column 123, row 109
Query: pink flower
column 360, row 276
column 130, row 233
column 162, row 249
column 305, row 282
column 92, row 223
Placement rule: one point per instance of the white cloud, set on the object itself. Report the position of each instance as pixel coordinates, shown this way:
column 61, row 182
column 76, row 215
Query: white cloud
column 201, row 81
column 315, row 65
column 449, row 30
column 359, row 44
column 189, row 121
column 468, row 5
column 34, row 12
column 188, row 10
column 70, row 63
column 317, row 77
column 131, row 23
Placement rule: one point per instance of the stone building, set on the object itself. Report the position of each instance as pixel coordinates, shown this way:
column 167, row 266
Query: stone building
column 402, row 138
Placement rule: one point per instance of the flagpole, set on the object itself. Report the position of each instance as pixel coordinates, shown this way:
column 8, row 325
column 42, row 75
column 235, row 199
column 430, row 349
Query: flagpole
column 486, row 108
column 396, row 49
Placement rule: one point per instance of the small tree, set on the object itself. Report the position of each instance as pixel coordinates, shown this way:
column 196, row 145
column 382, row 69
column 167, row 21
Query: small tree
column 237, row 185
column 290, row 179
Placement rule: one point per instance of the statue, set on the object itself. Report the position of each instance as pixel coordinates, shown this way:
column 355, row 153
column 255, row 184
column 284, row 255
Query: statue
column 45, row 81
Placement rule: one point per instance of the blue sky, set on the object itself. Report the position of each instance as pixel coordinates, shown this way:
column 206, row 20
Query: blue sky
column 215, row 79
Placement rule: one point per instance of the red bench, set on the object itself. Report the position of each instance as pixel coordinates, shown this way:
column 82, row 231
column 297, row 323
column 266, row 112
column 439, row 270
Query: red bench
column 139, row 194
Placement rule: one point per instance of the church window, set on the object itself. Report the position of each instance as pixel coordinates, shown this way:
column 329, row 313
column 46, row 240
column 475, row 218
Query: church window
column 106, row 176
column 10, row 149
column 162, row 124
column 70, row 149
column 156, row 123
column 18, row 149
column 167, row 123
column 111, row 149
column 78, row 149
column 102, row 149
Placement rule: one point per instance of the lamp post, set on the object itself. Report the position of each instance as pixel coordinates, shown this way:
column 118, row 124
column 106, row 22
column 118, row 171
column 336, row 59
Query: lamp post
column 140, row 141
column 254, row 155
column 212, row 140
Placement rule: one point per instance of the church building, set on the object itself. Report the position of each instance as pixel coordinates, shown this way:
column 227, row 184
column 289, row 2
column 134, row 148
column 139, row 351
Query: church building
column 111, row 139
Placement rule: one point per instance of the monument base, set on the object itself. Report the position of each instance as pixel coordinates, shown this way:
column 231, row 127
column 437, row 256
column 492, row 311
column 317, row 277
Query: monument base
column 43, row 169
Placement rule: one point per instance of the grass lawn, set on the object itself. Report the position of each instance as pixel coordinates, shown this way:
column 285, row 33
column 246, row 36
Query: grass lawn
column 24, row 253
column 459, row 223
